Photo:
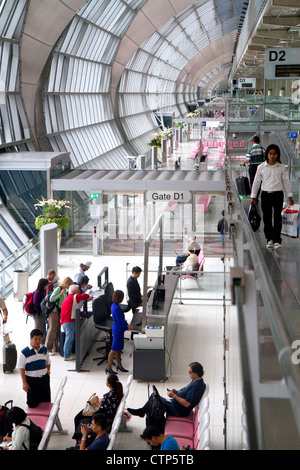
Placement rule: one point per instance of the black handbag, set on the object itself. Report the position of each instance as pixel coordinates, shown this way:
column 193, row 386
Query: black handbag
column 254, row 218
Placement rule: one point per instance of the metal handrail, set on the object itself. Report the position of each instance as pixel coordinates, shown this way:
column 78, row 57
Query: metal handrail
column 282, row 336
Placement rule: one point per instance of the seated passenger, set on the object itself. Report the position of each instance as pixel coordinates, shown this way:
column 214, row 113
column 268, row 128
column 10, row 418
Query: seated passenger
column 108, row 405
column 190, row 263
column 193, row 247
column 16, row 419
column 182, row 401
column 154, row 437
column 98, row 427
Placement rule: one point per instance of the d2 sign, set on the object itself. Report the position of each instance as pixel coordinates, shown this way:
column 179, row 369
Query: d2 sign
column 168, row 196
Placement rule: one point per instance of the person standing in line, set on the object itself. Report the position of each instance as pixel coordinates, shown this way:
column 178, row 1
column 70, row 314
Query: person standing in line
column 67, row 317
column 34, row 366
column 38, row 316
column 51, row 274
column 273, row 178
column 4, row 310
column 58, row 296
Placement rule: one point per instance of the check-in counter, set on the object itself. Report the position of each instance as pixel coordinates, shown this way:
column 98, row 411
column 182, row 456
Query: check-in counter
column 151, row 361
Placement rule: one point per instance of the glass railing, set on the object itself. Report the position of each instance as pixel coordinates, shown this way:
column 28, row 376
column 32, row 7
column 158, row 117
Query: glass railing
column 268, row 111
column 26, row 258
column 267, row 331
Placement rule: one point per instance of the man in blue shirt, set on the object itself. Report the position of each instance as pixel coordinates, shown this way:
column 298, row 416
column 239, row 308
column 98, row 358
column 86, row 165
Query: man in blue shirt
column 154, row 437
column 184, row 400
column 98, row 427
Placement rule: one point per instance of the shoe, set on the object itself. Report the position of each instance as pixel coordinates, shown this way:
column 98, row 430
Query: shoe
column 270, row 244
column 71, row 358
column 136, row 412
column 122, row 369
column 276, row 246
column 113, row 372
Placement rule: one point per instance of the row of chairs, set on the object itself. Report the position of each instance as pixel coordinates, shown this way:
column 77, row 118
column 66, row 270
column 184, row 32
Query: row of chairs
column 192, row 431
column 46, row 416
column 119, row 422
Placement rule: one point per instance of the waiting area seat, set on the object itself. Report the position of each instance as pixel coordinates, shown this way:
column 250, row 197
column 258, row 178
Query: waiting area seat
column 192, row 431
column 198, row 270
column 45, row 415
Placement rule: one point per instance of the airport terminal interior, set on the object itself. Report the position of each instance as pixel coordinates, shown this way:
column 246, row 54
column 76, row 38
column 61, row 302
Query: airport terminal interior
column 124, row 129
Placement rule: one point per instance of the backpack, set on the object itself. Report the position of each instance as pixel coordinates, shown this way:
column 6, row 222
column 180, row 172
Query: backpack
column 47, row 306
column 28, row 306
column 35, row 435
column 5, row 428
column 156, row 411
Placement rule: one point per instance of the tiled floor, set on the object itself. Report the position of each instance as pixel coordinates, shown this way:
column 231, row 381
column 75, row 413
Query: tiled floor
column 199, row 337
column 202, row 327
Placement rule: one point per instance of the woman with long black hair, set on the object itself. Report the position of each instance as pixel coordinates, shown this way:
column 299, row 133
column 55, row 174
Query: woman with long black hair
column 108, row 405
column 38, row 316
column 273, row 178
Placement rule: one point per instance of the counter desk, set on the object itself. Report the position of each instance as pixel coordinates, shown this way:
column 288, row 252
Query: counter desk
column 152, row 362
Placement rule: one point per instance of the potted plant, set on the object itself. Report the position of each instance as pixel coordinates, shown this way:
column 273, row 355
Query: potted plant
column 282, row 91
column 52, row 213
column 269, row 91
column 156, row 140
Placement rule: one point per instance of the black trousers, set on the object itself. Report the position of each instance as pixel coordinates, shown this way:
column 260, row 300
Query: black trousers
column 271, row 205
column 252, row 173
column 39, row 390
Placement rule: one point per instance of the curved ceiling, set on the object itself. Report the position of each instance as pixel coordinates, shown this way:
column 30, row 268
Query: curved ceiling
column 93, row 72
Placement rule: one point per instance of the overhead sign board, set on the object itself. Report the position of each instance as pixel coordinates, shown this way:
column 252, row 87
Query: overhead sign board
column 246, row 83
column 282, row 64
column 168, row 196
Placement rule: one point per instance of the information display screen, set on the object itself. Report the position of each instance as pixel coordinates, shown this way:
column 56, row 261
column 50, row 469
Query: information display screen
column 287, row 71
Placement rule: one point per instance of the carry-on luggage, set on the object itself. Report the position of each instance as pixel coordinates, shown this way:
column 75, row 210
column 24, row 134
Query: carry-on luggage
column 9, row 357
column 9, row 351
column 243, row 186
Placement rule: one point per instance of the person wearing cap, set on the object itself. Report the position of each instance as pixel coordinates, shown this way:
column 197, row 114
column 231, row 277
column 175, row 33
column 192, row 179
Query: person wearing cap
column 134, row 290
column 83, row 267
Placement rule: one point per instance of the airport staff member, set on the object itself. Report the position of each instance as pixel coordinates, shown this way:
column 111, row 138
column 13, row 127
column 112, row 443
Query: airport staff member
column 83, row 267
column 134, row 290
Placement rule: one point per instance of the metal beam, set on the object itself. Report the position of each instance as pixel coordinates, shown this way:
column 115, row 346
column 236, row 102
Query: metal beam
column 287, row 21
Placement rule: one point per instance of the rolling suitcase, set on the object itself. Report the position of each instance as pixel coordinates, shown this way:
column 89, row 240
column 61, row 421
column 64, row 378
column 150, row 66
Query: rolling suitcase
column 9, row 357
column 243, row 186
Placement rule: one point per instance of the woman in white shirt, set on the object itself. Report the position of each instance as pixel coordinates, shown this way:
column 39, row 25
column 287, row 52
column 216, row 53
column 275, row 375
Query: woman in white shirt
column 19, row 439
column 273, row 178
